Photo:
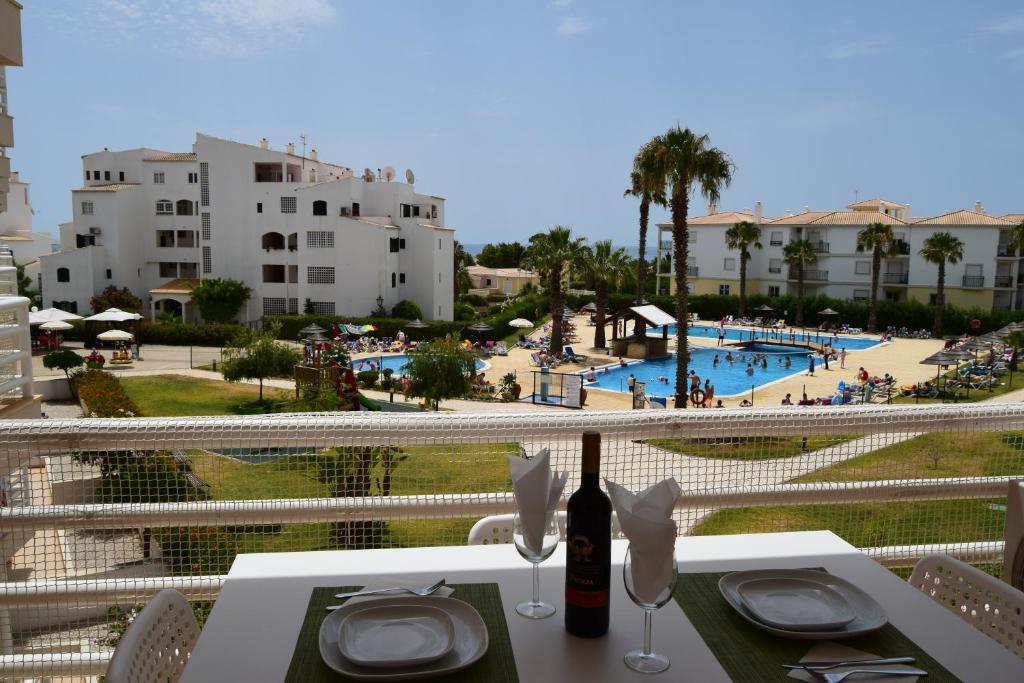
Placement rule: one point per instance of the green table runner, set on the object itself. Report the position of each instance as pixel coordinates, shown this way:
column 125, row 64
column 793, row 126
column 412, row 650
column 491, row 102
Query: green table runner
column 496, row 666
column 750, row 654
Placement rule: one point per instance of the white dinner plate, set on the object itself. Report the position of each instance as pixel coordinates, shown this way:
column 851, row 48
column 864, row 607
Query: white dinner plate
column 795, row 604
column 470, row 641
column 396, row 635
column 869, row 614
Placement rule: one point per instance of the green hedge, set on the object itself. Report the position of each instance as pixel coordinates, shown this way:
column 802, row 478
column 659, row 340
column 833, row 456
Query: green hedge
column 170, row 334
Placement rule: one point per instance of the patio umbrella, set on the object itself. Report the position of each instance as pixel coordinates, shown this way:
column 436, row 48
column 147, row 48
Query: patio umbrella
column 520, row 322
column 828, row 311
column 765, row 308
column 368, row 328
column 56, row 325
column 480, row 327
column 590, row 308
column 49, row 314
column 115, row 335
column 354, row 329
column 417, row 324
column 311, row 329
column 113, row 315
column 568, row 313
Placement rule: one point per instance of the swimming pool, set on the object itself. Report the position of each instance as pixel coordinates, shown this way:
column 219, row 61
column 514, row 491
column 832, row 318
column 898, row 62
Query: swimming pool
column 730, row 379
column 395, row 362
column 744, row 333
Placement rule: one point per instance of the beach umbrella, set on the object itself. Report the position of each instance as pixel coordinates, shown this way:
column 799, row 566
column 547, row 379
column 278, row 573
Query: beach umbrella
column 568, row 312
column 113, row 315
column 765, row 308
column 354, row 329
column 480, row 327
column 417, row 324
column 56, row 325
column 368, row 328
column 590, row 308
column 520, row 322
column 828, row 311
column 311, row 329
column 50, row 314
column 115, row 335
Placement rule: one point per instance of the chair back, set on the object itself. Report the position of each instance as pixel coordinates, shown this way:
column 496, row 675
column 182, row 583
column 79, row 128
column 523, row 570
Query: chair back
column 982, row 600
column 497, row 529
column 1013, row 533
column 157, row 644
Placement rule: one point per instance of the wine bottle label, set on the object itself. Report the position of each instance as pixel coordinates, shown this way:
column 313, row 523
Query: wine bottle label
column 586, row 580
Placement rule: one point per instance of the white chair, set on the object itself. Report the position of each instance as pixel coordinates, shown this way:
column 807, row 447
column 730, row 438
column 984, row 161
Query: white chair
column 990, row 605
column 157, row 645
column 497, row 529
column 1013, row 533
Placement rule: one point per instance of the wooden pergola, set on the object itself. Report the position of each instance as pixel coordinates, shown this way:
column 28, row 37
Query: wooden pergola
column 635, row 346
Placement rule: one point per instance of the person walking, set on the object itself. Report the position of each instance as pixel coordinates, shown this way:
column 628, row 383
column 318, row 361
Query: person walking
column 825, row 356
column 810, row 365
column 709, row 391
column 842, row 358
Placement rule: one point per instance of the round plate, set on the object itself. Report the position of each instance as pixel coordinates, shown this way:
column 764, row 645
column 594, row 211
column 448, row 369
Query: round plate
column 392, row 636
column 471, row 640
column 870, row 616
column 796, row 604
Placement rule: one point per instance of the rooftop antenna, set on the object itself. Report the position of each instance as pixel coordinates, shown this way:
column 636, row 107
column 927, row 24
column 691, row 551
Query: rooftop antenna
column 388, row 174
column 302, row 139
column 856, row 195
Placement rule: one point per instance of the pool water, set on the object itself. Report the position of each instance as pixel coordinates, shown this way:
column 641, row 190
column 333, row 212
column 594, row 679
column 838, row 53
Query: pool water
column 395, row 362
column 729, row 378
column 744, row 334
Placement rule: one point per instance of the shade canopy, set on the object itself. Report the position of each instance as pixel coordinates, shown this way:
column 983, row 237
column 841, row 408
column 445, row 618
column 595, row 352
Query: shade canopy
column 115, row 335
column 958, row 354
column 113, row 315
column 56, row 325
column 48, row 314
column 311, row 329
column 764, row 307
column 590, row 307
column 828, row 311
column 417, row 324
column 653, row 316
column 480, row 327
column 353, row 329
column 520, row 322
column 568, row 313
column 940, row 358
column 978, row 344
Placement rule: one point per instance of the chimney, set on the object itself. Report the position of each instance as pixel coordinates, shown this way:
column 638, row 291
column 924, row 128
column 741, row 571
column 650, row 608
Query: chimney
column 312, row 154
column 881, row 207
column 807, row 209
column 264, row 143
column 290, row 148
column 712, row 208
column 906, row 214
column 758, row 212
column 978, row 208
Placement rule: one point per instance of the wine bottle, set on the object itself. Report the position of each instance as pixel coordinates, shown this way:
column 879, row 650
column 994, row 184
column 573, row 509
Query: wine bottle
column 588, row 549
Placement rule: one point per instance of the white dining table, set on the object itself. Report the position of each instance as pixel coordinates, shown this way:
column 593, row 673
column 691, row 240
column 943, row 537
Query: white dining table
column 251, row 633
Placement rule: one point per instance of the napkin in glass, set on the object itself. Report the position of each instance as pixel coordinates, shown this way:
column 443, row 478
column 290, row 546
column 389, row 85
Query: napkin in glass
column 646, row 520
column 537, row 490
column 828, row 651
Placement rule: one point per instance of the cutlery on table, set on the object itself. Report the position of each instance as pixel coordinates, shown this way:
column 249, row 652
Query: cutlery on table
column 842, row 676
column 422, row 592
column 873, row 661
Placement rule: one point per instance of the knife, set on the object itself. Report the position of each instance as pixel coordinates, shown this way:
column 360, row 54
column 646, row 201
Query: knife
column 874, row 661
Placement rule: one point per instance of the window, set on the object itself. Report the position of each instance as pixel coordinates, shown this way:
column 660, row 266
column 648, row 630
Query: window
column 439, row 278
column 206, row 226
column 110, row 274
column 775, row 265
column 106, row 175
column 729, row 264
column 165, row 238
column 860, row 295
column 319, row 239
column 273, row 273
column 401, row 278
column 774, row 290
column 204, row 183
column 319, row 208
column 355, row 208
column 272, row 241
column 293, row 274
column 691, row 237
column 973, row 270
column 158, row 177
column 164, row 207
column 393, row 245
column 289, row 205
column 183, row 207
column 322, row 307
column 207, row 260
column 87, row 175
column 862, row 268
column 193, row 178
column 439, row 244
column 401, row 243
column 259, row 207
column 85, row 240
column 776, row 239
column 293, row 241
column 293, row 306
column 273, row 305
column 87, row 208
column 394, row 279
column 120, row 176
column 168, row 269
column 63, row 275
column 69, row 306
column 723, row 290
column 320, row 275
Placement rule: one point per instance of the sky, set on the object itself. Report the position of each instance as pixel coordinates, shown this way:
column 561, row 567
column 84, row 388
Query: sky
column 527, row 114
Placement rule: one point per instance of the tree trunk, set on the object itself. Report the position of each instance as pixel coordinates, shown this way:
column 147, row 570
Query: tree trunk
column 743, row 281
column 261, row 389
column 800, row 296
column 555, row 289
column 940, row 301
column 680, row 254
column 602, row 305
column 876, row 263
column 640, row 328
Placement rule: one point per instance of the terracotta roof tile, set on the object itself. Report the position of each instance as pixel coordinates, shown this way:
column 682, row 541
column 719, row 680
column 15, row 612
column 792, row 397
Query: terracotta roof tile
column 720, row 218
column 874, row 204
column 857, row 218
column 170, row 156
column 182, row 285
column 110, row 187
column 800, row 218
column 1013, row 217
column 962, row 217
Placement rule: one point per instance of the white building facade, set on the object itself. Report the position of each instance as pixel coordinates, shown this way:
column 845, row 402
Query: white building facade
column 302, row 233
column 990, row 275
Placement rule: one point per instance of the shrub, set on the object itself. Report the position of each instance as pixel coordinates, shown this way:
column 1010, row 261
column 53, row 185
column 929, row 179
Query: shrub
column 367, row 378
column 496, row 296
column 464, row 311
column 104, row 396
column 473, row 300
column 189, row 334
column 406, row 310
column 112, row 297
column 219, row 299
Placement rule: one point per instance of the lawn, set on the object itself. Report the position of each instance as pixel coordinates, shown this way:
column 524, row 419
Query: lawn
column 878, row 524
column 749, row 448
column 177, row 395
column 975, row 395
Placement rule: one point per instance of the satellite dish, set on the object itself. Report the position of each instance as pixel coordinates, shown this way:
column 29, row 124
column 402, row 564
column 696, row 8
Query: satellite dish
column 410, row 177
column 388, row 174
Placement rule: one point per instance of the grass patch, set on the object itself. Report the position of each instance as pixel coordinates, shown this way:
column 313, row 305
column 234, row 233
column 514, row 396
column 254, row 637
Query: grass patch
column 976, row 395
column 749, row 448
column 177, row 395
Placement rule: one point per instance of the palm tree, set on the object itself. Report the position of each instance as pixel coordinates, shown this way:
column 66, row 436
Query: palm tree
column 878, row 239
column 941, row 248
column 742, row 236
column 690, row 163
column 799, row 254
column 1017, row 237
column 606, row 267
column 646, row 182
column 548, row 254
column 463, row 259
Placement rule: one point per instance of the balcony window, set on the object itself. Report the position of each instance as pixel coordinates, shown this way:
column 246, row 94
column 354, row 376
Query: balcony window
column 87, row 208
column 165, row 238
column 319, row 208
column 189, row 270
column 293, row 275
column 273, row 273
column 776, row 239
column 187, row 239
column 158, row 177
column 272, row 241
column 63, row 275
column 168, row 269
column 183, row 207
column 293, row 241
column 164, row 207
column 267, row 173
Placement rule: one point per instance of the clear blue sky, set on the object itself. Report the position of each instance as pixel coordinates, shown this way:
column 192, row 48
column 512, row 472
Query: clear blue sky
column 527, row 114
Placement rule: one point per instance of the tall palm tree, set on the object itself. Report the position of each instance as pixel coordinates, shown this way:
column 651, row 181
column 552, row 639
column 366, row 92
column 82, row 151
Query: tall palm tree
column 941, row 248
column 549, row 254
column 690, row 163
column 646, row 182
column 605, row 266
column 878, row 239
column 462, row 259
column 742, row 236
column 1017, row 237
column 799, row 254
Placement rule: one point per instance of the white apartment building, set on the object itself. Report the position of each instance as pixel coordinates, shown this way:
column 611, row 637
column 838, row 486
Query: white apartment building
column 292, row 227
column 991, row 275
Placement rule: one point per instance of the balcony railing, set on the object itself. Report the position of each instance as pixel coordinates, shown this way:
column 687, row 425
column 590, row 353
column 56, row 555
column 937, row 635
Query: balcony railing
column 974, row 281
column 821, row 248
column 1005, row 251
column 894, row 278
column 775, row 243
column 691, row 271
column 665, row 245
column 899, row 248
column 108, row 512
column 1004, row 281
column 810, row 275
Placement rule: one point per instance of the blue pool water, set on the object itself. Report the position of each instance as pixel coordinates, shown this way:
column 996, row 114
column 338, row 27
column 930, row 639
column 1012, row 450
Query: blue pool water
column 395, row 362
column 744, row 334
column 729, row 379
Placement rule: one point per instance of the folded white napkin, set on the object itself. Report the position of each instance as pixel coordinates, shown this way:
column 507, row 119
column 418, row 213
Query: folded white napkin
column 828, row 651
column 646, row 520
column 537, row 490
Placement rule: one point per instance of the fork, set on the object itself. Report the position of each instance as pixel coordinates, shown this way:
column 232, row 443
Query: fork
column 422, row 592
column 843, row 675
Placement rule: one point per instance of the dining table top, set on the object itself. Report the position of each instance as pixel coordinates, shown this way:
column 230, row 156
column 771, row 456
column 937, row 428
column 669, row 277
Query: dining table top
column 251, row 633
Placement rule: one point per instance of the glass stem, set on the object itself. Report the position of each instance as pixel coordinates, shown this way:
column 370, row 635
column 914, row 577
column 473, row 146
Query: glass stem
column 647, row 631
column 536, row 584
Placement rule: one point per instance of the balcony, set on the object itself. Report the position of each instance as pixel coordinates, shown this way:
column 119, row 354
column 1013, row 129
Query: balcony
column 190, row 477
column 899, row 248
column 895, row 278
column 10, row 34
column 973, row 281
column 665, row 245
column 810, row 275
column 1004, row 281
column 821, row 248
column 1006, row 251
column 691, row 271
column 6, row 130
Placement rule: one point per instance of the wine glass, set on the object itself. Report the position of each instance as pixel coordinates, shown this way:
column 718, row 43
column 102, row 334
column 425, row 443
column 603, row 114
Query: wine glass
column 646, row 660
column 535, row 609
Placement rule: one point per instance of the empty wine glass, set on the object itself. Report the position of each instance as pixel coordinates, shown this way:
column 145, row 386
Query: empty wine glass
column 535, row 609
column 646, row 660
